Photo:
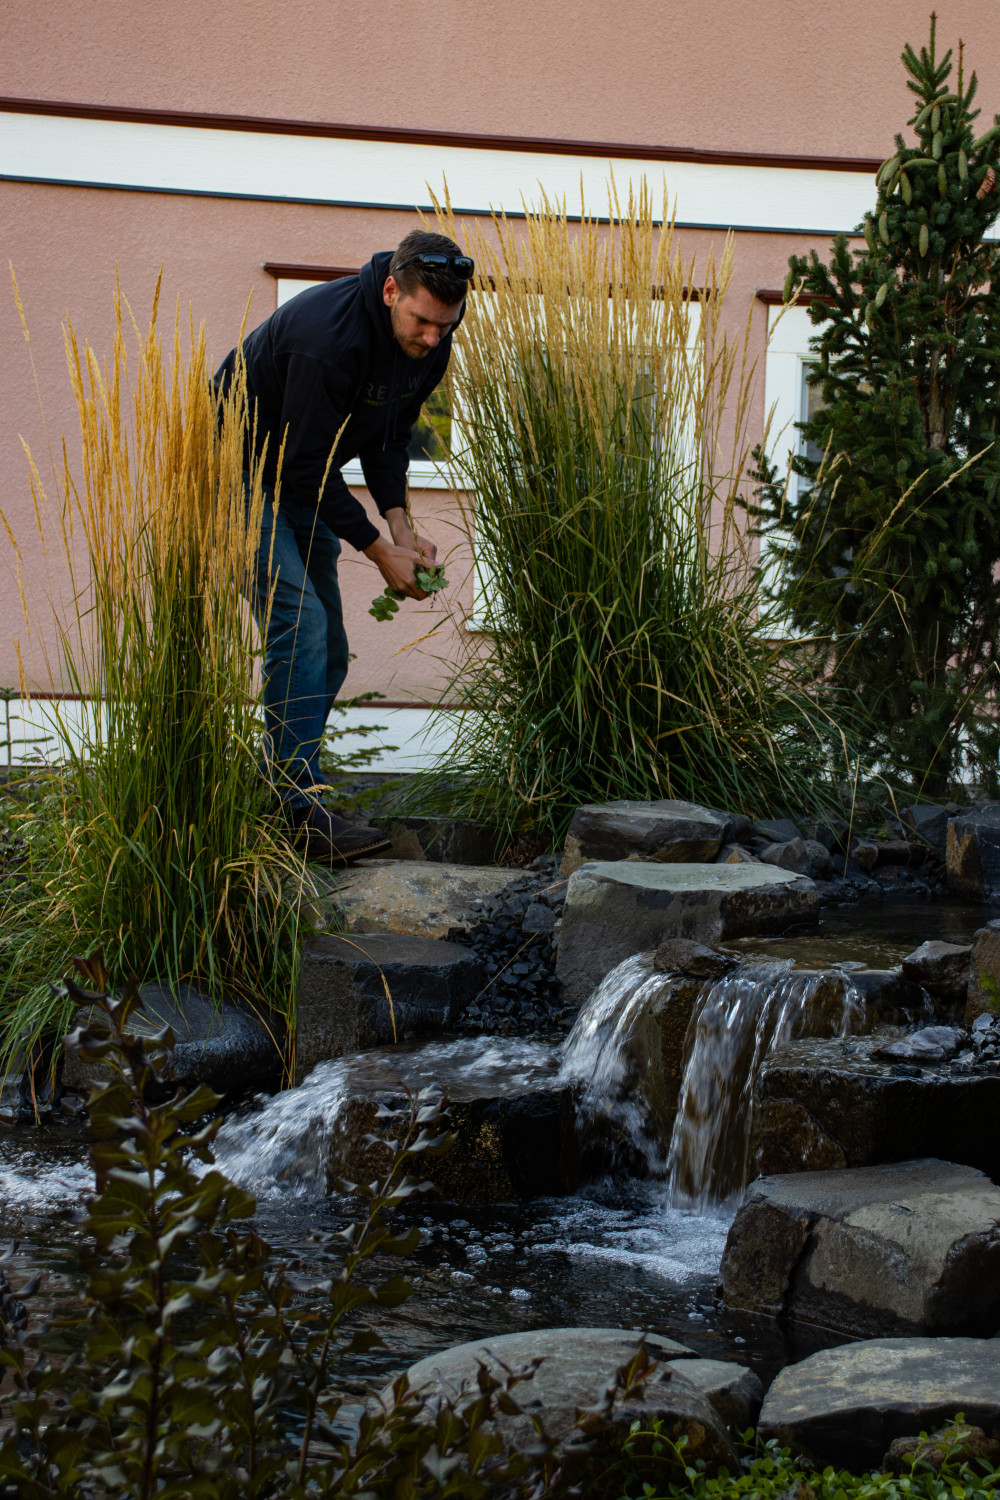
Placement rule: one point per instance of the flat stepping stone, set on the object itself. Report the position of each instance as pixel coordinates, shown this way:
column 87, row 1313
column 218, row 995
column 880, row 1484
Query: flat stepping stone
column 668, row 831
column 909, row 1247
column 831, row 1103
column 845, row 1406
column 369, row 990
column 414, row 898
column 617, row 908
column 577, row 1363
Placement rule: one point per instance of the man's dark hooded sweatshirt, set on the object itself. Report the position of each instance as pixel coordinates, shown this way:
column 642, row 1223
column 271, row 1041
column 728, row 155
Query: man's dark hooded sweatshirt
column 327, row 356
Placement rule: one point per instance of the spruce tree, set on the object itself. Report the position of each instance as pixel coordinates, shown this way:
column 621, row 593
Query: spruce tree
column 892, row 544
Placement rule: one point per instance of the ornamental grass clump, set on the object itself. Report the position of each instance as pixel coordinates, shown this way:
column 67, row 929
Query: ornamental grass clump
column 152, row 836
column 602, row 409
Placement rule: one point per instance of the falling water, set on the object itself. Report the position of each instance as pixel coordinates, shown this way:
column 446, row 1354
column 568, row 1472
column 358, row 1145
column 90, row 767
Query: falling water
column 283, row 1144
column 735, row 1023
column 738, row 1021
column 596, row 1057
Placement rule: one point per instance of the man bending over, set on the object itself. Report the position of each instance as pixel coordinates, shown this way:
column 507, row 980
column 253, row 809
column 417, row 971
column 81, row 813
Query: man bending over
column 367, row 351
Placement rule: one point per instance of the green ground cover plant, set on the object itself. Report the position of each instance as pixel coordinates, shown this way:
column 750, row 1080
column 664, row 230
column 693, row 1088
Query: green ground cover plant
column 152, row 837
column 601, row 413
column 941, row 1470
column 889, row 542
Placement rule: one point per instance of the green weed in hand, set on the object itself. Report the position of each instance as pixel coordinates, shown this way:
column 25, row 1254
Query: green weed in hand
column 386, row 605
column 431, row 579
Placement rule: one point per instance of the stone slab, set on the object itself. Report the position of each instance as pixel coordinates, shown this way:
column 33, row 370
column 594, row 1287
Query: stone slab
column 413, row 898
column 942, row 968
column 829, row 1103
column 345, row 984
column 666, row 831
column 510, row 1146
column 576, row 1364
column 845, row 1406
column 617, row 908
column 451, row 841
column 912, row 1247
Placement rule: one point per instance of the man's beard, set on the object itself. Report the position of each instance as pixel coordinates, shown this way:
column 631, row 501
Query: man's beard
column 412, row 348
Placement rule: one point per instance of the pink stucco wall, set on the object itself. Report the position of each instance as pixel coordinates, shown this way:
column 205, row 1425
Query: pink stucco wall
column 764, row 78
column 808, row 77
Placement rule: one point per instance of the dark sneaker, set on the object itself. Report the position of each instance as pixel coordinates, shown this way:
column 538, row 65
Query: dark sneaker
column 334, row 841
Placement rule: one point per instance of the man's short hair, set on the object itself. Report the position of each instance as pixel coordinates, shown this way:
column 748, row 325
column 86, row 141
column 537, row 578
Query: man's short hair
column 446, row 288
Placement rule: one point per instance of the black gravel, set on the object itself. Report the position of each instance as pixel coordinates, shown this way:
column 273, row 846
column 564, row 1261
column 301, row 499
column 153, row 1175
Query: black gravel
column 514, row 933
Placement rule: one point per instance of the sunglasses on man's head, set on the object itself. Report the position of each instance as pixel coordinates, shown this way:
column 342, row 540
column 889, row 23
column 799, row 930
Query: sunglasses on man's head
column 455, row 265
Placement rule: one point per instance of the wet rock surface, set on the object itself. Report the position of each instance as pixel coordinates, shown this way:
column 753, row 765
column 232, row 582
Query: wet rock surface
column 615, row 909
column 575, row 1365
column 366, row 990
column 832, row 1103
column 942, row 968
column 846, row 1406
column 666, row 831
column 984, row 974
column 907, row 1248
column 973, row 852
column 514, row 1135
column 225, row 1046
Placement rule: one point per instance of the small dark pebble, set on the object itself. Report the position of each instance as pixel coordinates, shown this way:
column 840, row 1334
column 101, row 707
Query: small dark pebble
column 514, row 932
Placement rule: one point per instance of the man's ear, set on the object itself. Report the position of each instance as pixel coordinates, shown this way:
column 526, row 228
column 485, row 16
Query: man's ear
column 390, row 291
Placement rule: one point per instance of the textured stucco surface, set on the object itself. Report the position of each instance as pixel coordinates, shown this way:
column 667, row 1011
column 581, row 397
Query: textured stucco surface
column 809, row 78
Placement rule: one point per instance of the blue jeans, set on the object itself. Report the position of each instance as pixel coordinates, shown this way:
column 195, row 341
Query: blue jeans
column 305, row 647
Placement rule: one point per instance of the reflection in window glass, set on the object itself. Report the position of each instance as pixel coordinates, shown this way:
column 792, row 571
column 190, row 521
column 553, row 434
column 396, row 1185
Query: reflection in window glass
column 432, row 431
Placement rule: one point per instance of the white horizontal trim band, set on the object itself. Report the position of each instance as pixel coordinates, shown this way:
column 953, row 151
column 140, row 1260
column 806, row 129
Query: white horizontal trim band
column 232, row 163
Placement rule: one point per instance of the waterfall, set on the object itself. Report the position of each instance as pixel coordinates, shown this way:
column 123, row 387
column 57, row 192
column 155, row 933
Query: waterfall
column 737, row 1023
column 284, row 1143
column 596, row 1057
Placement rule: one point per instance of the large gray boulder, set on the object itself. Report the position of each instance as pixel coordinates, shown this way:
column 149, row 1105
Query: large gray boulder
column 615, row 909
column 930, row 824
column 973, row 853
column 845, row 1406
column 667, row 831
column 225, row 1046
column 912, row 1247
column 576, row 1365
column 365, row 991
column 832, row 1102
